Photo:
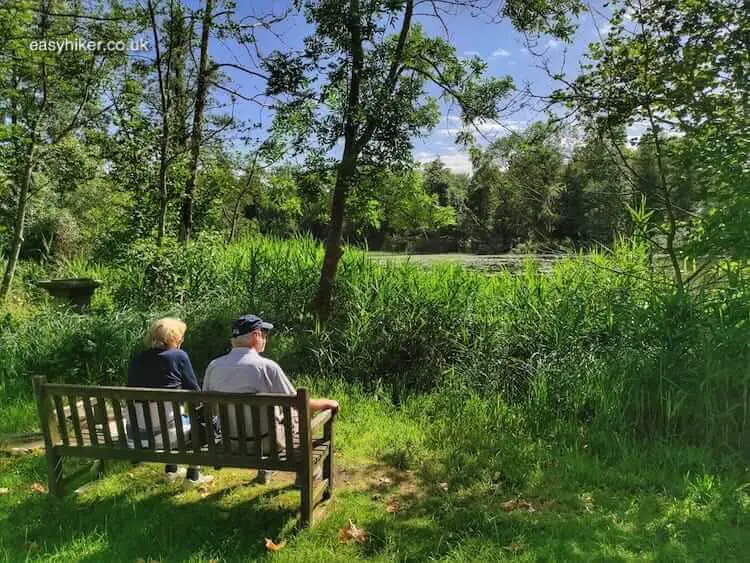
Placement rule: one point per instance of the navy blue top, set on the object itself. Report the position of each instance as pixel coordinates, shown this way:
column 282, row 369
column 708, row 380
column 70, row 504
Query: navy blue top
column 163, row 369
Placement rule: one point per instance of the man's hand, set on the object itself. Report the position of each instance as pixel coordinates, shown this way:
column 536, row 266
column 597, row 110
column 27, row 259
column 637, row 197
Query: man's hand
column 323, row 404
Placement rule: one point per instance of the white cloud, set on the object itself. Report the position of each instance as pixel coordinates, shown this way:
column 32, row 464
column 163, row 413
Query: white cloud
column 456, row 161
column 489, row 128
column 552, row 44
column 500, row 53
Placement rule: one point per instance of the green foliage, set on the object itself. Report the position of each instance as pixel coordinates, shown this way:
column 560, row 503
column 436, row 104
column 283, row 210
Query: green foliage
column 600, row 341
column 678, row 68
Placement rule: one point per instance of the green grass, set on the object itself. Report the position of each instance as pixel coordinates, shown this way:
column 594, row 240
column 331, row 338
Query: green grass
column 658, row 503
column 614, row 406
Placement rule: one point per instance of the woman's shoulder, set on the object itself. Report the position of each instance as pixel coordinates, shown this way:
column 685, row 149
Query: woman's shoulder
column 177, row 354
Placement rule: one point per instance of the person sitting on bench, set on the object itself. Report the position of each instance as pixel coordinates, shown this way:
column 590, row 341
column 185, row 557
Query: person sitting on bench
column 244, row 370
column 163, row 365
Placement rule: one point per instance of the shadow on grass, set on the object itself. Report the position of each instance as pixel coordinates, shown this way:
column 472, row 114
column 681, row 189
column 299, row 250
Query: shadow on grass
column 609, row 524
column 123, row 519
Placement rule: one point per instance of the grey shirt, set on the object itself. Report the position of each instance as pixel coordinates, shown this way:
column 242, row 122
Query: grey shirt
column 243, row 370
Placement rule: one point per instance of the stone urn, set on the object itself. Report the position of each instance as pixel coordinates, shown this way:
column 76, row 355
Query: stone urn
column 76, row 291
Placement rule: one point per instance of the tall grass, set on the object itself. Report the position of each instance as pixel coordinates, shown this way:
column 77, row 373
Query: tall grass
column 598, row 343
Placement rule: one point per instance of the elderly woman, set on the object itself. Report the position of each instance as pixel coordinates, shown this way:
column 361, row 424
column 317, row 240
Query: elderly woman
column 163, row 365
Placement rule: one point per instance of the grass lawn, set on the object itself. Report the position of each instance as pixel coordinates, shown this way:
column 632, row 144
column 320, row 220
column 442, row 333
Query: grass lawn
column 647, row 506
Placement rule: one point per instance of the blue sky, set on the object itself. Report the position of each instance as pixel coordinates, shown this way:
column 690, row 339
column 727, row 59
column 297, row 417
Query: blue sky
column 499, row 44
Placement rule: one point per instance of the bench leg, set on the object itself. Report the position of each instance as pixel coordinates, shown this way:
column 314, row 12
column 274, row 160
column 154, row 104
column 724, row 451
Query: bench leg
column 328, row 462
column 55, row 475
column 306, row 492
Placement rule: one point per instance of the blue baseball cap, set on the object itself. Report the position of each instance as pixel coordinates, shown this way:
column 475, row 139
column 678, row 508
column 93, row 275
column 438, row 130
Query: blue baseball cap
column 248, row 323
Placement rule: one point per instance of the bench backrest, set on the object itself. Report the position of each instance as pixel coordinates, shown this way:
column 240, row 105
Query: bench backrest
column 86, row 420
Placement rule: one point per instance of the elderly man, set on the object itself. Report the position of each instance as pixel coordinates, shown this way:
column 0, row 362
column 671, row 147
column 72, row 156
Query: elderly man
column 244, row 370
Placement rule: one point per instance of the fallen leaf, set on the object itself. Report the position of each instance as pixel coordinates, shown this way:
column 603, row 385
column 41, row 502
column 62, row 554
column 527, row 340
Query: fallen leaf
column 38, row 488
column 131, row 475
column 588, row 501
column 351, row 532
column 513, row 504
column 4, row 491
column 270, row 546
column 392, row 505
column 443, row 486
column 513, row 548
column 385, row 480
column 203, row 490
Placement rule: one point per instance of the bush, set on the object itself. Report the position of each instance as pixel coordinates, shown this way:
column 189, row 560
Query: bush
column 598, row 342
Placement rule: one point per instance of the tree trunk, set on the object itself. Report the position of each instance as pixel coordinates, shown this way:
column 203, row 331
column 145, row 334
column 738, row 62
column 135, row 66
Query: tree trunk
column 163, row 187
column 165, row 97
column 18, row 230
column 186, row 213
column 346, row 170
column 344, row 180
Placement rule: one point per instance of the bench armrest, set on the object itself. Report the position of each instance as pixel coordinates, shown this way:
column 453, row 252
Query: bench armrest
column 320, row 419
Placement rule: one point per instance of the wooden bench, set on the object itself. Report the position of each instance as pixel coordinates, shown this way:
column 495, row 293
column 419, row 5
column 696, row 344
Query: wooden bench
column 109, row 413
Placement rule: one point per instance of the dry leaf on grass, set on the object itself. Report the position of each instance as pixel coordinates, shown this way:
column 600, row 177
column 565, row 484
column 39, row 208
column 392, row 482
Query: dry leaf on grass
column 443, row 486
column 385, row 480
column 4, row 490
column 392, row 505
column 588, row 501
column 204, row 491
column 270, row 546
column 38, row 488
column 513, row 548
column 513, row 504
column 351, row 532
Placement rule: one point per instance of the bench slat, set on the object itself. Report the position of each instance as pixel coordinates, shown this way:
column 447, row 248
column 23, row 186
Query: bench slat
column 101, row 409
column 257, row 432
column 224, row 423
column 134, row 430
column 163, row 426
column 122, row 436
column 75, row 419
column 60, row 411
column 239, row 413
column 208, row 415
column 179, row 430
column 195, row 439
column 148, row 394
column 90, row 420
column 271, row 417
column 145, row 407
column 288, row 427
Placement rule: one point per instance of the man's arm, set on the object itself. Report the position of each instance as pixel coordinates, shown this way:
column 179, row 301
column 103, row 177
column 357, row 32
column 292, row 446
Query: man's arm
column 281, row 384
column 187, row 375
column 323, row 404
